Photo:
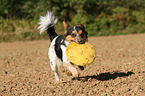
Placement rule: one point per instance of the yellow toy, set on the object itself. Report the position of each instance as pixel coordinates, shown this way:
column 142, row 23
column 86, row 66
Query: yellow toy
column 80, row 54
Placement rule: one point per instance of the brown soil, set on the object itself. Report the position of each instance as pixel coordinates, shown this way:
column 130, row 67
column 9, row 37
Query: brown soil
column 119, row 69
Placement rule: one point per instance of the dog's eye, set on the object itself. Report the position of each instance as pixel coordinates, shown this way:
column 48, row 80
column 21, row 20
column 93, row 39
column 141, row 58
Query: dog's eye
column 73, row 35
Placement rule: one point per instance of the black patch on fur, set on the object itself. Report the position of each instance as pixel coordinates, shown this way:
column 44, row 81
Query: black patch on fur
column 51, row 32
column 83, row 30
column 59, row 41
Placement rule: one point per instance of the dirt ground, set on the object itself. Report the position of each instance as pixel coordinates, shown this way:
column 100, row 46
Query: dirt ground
column 118, row 70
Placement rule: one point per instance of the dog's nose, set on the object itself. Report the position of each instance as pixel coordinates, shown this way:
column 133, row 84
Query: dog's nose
column 80, row 41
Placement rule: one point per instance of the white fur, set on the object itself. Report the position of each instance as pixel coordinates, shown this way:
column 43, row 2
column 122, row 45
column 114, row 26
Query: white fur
column 45, row 21
column 52, row 53
column 55, row 62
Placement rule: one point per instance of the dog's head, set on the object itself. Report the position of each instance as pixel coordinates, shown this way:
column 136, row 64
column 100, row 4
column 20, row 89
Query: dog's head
column 76, row 33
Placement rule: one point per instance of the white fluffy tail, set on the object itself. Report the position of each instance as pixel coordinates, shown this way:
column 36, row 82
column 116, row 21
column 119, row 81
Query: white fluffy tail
column 46, row 22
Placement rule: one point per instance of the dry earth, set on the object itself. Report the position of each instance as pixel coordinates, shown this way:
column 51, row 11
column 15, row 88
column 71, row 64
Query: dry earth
column 118, row 70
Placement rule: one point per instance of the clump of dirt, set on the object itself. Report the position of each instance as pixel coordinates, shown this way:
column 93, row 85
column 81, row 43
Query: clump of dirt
column 119, row 69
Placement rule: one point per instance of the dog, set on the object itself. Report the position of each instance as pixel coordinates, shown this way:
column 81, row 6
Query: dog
column 59, row 43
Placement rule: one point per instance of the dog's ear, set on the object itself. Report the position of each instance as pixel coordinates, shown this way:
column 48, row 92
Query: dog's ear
column 83, row 28
column 66, row 26
column 86, row 34
column 81, row 25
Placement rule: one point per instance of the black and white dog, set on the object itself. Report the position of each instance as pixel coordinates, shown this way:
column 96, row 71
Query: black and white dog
column 58, row 45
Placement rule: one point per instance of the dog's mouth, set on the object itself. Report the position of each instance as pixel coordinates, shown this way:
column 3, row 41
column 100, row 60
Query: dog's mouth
column 80, row 41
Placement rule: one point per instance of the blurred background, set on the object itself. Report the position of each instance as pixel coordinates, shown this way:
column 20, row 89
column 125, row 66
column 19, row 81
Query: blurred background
column 19, row 18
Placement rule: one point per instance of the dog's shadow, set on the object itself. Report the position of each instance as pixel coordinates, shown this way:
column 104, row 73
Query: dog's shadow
column 105, row 76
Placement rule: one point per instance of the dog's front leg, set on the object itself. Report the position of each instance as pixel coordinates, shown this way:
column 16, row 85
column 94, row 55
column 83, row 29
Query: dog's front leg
column 70, row 68
column 67, row 65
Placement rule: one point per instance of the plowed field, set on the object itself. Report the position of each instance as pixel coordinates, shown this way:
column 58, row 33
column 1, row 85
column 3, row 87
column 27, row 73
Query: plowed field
column 119, row 69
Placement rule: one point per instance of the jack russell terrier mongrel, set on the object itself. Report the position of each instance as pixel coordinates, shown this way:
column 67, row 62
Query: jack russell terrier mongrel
column 58, row 45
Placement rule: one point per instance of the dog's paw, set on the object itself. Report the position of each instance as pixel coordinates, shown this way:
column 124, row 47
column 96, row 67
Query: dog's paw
column 68, row 73
column 76, row 78
column 81, row 67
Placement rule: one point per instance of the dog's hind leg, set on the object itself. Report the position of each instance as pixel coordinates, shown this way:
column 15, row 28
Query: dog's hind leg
column 55, row 69
column 53, row 63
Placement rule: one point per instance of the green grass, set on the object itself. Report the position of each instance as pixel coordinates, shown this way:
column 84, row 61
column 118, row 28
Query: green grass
column 15, row 30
